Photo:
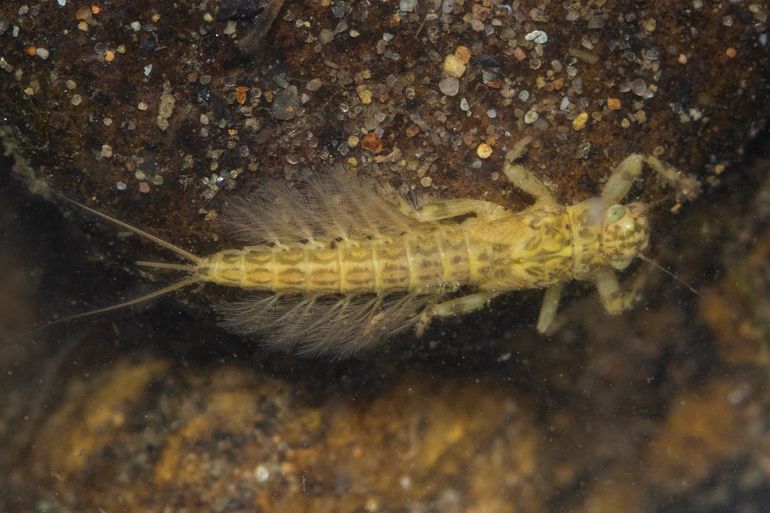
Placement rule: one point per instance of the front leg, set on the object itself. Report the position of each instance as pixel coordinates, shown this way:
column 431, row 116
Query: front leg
column 630, row 169
column 615, row 299
column 457, row 306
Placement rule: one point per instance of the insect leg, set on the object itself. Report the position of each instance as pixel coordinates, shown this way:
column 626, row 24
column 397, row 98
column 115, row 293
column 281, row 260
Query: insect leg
column 485, row 210
column 457, row 306
column 630, row 169
column 525, row 180
column 615, row 299
column 548, row 310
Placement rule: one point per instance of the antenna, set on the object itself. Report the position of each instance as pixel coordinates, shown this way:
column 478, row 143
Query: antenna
column 674, row 276
column 650, row 206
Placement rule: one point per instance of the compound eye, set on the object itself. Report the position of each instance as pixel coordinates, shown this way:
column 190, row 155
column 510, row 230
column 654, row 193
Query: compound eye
column 615, row 212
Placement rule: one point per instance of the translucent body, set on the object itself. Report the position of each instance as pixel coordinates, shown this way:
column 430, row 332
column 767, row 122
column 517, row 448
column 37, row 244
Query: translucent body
column 337, row 266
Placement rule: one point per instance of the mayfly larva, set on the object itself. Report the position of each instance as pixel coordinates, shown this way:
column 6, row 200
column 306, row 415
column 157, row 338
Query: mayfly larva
column 338, row 267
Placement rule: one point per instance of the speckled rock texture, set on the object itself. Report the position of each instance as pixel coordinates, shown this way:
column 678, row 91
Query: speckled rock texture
column 158, row 112
column 161, row 112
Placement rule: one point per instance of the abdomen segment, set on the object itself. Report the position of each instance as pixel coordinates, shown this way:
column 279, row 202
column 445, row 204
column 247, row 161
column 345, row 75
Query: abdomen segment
column 423, row 262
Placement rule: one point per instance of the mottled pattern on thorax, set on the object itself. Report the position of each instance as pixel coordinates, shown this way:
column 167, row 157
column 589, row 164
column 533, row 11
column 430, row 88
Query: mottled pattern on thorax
column 586, row 229
column 528, row 249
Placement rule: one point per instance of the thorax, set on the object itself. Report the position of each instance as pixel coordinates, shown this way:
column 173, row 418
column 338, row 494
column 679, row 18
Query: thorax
column 530, row 249
column 585, row 219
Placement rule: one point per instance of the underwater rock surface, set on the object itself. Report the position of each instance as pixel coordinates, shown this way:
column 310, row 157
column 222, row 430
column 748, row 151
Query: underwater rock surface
column 159, row 112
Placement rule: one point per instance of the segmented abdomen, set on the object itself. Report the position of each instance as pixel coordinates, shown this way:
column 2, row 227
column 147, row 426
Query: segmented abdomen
column 437, row 258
